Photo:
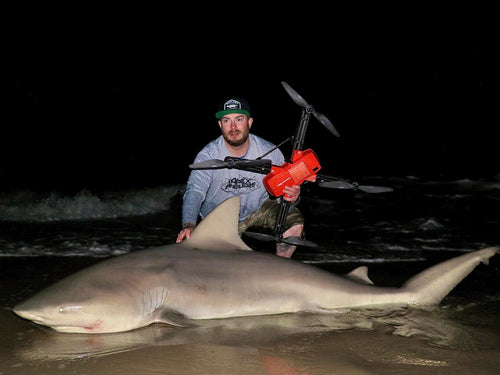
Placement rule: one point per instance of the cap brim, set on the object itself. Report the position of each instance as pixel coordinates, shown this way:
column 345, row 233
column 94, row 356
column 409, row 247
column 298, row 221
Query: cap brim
column 228, row 111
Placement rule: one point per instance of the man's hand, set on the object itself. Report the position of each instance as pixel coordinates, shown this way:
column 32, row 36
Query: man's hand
column 291, row 193
column 185, row 232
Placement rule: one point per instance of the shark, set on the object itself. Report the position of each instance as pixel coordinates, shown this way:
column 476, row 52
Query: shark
column 216, row 275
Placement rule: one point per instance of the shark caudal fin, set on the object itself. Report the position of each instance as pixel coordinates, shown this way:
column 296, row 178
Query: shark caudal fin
column 219, row 229
column 430, row 286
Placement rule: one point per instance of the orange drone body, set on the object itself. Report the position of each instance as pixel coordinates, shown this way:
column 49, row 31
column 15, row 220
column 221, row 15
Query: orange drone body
column 304, row 166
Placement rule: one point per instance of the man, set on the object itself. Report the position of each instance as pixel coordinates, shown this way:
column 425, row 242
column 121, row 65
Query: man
column 207, row 188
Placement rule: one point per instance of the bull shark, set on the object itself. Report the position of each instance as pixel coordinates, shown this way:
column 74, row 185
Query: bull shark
column 213, row 275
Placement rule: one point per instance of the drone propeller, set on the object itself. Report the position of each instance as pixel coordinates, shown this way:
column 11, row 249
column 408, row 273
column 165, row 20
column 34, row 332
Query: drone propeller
column 292, row 240
column 299, row 100
column 258, row 165
column 209, row 164
column 335, row 183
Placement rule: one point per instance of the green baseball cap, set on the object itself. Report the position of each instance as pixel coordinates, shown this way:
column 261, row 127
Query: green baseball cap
column 233, row 105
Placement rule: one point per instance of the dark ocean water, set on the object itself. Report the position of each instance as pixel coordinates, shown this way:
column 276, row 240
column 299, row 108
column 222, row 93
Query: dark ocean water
column 418, row 218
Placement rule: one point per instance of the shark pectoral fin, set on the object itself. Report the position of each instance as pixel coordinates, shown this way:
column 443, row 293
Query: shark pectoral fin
column 175, row 318
column 360, row 275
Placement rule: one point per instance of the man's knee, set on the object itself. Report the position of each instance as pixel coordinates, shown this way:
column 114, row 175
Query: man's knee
column 295, row 231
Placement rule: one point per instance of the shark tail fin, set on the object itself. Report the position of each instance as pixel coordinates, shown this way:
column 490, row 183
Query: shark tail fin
column 430, row 286
column 219, row 229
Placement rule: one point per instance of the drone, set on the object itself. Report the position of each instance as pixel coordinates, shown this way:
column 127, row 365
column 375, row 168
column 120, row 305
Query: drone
column 303, row 167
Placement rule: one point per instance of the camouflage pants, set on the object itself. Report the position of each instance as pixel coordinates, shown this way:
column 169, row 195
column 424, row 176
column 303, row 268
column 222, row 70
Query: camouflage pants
column 265, row 217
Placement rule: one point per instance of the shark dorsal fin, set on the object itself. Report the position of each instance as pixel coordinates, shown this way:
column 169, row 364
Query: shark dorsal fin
column 360, row 275
column 219, row 229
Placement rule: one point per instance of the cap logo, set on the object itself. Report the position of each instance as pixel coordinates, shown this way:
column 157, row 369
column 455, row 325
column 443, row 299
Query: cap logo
column 232, row 104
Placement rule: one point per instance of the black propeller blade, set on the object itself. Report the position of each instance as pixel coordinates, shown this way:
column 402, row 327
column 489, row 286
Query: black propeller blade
column 209, row 164
column 258, row 165
column 292, row 240
column 336, row 183
column 299, row 100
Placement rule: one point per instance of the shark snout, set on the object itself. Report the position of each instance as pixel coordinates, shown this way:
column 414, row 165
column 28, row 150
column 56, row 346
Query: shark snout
column 27, row 314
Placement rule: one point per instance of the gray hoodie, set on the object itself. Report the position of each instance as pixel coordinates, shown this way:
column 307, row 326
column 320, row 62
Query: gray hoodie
column 207, row 188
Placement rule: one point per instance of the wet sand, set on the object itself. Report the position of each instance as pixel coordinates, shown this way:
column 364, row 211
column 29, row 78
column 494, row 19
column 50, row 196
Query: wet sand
column 461, row 339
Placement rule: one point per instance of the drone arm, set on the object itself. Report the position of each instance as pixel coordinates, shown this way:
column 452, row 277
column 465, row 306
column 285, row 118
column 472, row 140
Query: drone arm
column 298, row 140
column 279, row 226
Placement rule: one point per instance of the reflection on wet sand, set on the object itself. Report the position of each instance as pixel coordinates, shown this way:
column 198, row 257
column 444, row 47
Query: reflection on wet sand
column 360, row 342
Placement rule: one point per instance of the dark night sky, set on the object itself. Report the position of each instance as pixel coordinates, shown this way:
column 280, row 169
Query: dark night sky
column 131, row 104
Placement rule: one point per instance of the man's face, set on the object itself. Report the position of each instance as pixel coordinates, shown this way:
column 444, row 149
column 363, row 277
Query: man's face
column 235, row 128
